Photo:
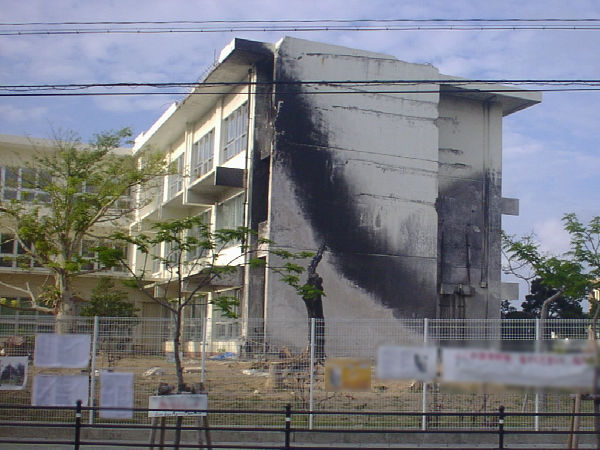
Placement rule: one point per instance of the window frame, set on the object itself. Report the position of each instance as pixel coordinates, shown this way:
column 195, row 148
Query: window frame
column 203, row 155
column 235, row 132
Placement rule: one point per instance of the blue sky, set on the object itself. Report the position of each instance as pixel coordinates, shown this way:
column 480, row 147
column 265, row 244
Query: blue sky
column 551, row 159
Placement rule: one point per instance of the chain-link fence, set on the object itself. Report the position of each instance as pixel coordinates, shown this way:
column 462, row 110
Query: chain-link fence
column 281, row 362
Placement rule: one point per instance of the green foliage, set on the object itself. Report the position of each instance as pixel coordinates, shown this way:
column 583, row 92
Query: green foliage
column 78, row 187
column 563, row 307
column 227, row 304
column 566, row 278
column 107, row 301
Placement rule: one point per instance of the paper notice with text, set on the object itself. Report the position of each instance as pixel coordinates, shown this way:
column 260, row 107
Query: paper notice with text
column 60, row 390
column 62, row 350
column 116, row 390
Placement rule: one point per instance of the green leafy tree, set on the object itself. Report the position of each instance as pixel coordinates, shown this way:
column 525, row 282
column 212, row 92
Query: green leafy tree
column 195, row 258
column 114, row 334
column 108, row 301
column 562, row 308
column 507, row 310
column 563, row 275
column 83, row 191
column 573, row 275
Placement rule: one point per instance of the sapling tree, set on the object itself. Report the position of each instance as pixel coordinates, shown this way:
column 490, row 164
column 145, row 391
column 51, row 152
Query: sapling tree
column 572, row 274
column 575, row 274
column 193, row 258
column 76, row 195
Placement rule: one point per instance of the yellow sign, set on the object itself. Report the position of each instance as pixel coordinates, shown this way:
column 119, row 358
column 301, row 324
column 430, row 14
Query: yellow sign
column 347, row 374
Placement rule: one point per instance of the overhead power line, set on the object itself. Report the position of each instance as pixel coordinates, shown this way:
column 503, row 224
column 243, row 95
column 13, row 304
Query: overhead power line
column 288, row 21
column 317, row 87
column 393, row 91
column 217, row 26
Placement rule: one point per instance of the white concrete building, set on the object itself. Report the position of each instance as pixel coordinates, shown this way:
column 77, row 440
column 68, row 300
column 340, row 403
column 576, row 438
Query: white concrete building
column 402, row 182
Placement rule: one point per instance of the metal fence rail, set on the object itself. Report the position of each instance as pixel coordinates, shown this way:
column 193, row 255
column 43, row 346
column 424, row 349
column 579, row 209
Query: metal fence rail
column 288, row 428
column 274, row 364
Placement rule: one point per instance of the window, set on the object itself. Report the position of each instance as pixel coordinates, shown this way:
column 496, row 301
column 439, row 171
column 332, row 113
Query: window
column 224, row 327
column 12, row 253
column 171, row 256
column 24, row 184
column 193, row 318
column 235, row 130
column 156, row 263
column 89, row 255
column 195, row 232
column 202, row 155
column 176, row 179
column 230, row 214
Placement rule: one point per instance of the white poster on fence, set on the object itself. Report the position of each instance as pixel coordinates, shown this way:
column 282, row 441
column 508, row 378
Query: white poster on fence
column 116, row 391
column 60, row 390
column 518, row 369
column 13, row 372
column 62, row 350
column 175, row 405
column 395, row 362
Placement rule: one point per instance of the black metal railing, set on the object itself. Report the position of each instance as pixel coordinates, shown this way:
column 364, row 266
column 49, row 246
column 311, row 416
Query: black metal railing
column 288, row 435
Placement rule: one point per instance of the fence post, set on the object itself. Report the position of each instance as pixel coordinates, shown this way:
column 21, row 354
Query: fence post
column 311, row 392
column 93, row 369
column 501, row 427
column 77, row 425
column 288, row 424
column 203, row 358
column 424, row 399
column 538, row 343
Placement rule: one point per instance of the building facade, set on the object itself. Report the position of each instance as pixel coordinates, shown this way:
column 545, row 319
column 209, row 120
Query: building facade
column 313, row 144
column 394, row 167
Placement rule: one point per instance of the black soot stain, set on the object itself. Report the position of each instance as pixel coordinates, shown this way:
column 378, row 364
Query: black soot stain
column 327, row 199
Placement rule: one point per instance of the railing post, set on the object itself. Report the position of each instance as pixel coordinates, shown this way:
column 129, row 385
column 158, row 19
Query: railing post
column 538, row 344
column 93, row 369
column 501, row 427
column 288, row 424
column 77, row 425
column 203, row 357
column 424, row 394
column 311, row 391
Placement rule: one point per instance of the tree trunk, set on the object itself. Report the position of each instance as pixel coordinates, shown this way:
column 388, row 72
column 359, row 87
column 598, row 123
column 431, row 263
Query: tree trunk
column 177, row 350
column 314, row 306
column 544, row 316
column 66, row 305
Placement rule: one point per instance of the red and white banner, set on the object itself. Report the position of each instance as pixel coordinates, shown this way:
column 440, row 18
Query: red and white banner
column 520, row 369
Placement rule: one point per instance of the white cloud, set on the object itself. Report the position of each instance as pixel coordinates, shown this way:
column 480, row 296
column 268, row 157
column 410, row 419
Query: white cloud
column 21, row 116
column 552, row 236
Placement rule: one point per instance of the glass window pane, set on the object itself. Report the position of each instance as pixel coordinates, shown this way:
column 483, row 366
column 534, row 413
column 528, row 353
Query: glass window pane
column 28, row 179
column 7, row 243
column 11, row 177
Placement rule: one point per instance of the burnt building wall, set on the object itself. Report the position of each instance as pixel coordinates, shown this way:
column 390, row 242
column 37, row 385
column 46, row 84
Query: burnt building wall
column 359, row 172
column 468, row 207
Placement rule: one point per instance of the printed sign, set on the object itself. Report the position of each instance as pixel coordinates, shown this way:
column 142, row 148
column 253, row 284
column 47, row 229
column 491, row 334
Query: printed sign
column 520, row 369
column 116, row 390
column 347, row 374
column 395, row 362
column 60, row 390
column 175, row 405
column 13, row 372
column 62, row 350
